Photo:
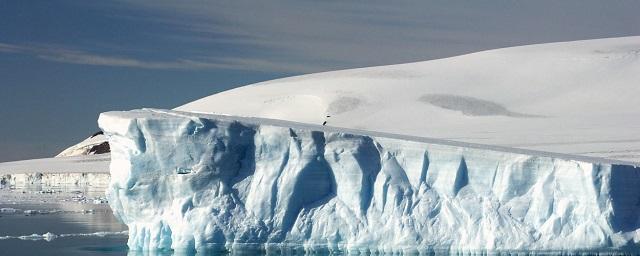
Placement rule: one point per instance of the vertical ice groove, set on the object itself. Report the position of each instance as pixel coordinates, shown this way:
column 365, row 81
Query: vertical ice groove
column 271, row 158
column 424, row 169
column 461, row 177
column 193, row 181
column 313, row 181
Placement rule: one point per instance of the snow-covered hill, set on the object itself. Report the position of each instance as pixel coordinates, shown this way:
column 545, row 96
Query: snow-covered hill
column 94, row 145
column 576, row 97
column 85, row 163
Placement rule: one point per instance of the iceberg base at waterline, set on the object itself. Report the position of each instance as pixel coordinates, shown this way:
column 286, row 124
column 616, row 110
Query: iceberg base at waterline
column 187, row 181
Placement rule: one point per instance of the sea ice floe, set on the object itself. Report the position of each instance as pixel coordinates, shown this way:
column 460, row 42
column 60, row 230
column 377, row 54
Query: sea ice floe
column 51, row 236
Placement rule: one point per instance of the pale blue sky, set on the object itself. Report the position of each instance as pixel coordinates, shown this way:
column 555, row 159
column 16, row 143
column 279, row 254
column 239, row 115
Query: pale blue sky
column 63, row 62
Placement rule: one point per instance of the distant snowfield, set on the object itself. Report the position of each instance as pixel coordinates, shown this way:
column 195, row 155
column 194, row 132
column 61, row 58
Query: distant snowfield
column 73, row 164
column 578, row 98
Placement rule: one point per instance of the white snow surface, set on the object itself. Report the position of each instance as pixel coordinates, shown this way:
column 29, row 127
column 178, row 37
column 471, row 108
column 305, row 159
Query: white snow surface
column 577, row 97
column 91, row 170
column 82, row 169
column 191, row 181
column 73, row 164
column 574, row 97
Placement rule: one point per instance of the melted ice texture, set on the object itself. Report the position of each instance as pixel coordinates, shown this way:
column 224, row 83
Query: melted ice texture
column 191, row 181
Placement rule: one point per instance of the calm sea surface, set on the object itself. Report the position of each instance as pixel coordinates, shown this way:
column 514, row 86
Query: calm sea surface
column 68, row 220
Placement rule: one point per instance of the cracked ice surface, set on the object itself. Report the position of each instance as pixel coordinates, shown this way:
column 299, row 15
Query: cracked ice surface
column 187, row 181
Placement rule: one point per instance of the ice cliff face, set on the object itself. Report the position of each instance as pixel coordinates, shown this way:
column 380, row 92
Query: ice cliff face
column 55, row 179
column 192, row 181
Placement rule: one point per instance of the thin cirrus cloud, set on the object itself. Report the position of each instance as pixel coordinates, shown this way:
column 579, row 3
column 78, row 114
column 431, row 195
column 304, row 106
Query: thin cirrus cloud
column 63, row 55
column 364, row 33
column 294, row 36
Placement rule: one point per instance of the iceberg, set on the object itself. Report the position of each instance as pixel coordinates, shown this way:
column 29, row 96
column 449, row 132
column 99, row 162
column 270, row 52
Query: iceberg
column 191, row 181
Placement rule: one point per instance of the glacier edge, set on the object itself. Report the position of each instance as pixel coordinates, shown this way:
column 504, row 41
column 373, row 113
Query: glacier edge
column 182, row 180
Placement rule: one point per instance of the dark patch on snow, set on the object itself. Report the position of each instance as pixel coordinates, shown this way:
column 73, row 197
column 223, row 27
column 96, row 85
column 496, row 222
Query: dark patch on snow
column 470, row 106
column 343, row 104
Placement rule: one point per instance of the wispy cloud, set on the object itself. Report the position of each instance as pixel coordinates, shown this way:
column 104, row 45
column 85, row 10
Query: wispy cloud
column 364, row 33
column 295, row 36
column 10, row 48
column 63, row 55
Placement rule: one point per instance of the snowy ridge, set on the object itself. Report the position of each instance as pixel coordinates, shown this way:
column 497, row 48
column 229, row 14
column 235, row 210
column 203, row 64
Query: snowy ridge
column 185, row 181
column 89, row 146
column 575, row 97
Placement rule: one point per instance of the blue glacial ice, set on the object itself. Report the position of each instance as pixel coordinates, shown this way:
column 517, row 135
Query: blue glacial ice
column 182, row 180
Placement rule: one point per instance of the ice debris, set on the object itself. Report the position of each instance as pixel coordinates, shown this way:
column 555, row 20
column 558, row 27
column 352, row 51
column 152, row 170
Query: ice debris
column 51, row 236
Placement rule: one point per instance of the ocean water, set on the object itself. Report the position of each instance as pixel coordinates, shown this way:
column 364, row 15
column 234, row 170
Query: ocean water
column 62, row 220
column 75, row 220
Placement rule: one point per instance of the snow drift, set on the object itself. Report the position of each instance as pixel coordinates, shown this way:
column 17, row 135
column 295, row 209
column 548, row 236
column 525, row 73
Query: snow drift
column 191, row 181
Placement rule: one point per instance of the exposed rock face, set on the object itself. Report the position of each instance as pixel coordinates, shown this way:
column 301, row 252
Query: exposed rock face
column 95, row 144
column 101, row 148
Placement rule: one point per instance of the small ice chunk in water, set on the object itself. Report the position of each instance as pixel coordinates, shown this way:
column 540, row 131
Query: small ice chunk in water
column 8, row 210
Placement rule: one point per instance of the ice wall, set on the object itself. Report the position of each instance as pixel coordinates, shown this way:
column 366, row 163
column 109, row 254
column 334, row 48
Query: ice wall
column 192, row 181
column 55, row 179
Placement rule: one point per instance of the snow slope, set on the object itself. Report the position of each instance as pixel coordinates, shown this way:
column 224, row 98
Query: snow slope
column 192, row 181
column 572, row 97
column 73, row 164
column 576, row 97
column 94, row 145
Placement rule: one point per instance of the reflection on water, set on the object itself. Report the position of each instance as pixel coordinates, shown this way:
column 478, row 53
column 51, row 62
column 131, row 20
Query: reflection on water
column 73, row 220
column 431, row 252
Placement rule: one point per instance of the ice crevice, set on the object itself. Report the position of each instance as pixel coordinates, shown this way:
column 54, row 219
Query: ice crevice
column 182, row 180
